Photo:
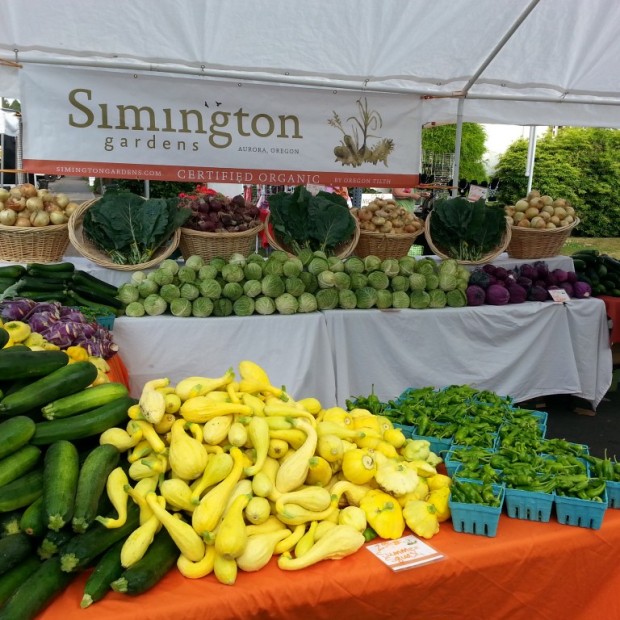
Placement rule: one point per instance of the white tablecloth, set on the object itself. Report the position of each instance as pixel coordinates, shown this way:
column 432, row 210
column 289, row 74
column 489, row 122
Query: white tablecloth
column 293, row 349
column 525, row 350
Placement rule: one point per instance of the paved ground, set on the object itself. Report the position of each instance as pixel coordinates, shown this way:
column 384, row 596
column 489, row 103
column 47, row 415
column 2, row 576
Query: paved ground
column 76, row 188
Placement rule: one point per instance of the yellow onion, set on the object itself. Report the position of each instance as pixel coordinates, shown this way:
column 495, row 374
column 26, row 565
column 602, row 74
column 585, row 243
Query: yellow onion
column 22, row 221
column 4, row 194
column 58, row 217
column 40, row 218
column 8, row 217
column 70, row 208
column 62, row 200
column 34, row 203
column 17, row 204
column 28, row 190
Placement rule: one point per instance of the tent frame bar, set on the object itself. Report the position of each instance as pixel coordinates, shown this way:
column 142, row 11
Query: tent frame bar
column 288, row 80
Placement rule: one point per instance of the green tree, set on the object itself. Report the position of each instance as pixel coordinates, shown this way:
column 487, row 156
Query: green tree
column 579, row 164
column 442, row 139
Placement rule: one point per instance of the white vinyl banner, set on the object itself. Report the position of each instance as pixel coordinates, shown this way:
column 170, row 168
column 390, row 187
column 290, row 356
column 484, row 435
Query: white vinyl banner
column 118, row 124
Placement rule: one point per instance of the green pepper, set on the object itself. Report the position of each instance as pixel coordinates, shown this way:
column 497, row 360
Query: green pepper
column 595, row 488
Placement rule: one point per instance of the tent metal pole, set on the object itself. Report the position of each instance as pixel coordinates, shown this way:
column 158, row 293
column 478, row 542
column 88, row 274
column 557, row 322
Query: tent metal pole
column 500, row 44
column 457, row 145
column 531, row 153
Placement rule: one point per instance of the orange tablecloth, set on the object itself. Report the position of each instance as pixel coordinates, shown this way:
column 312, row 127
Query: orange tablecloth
column 118, row 371
column 612, row 306
column 529, row 571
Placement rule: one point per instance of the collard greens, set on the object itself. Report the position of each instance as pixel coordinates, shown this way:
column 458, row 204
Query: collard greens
column 130, row 229
column 319, row 222
column 467, row 230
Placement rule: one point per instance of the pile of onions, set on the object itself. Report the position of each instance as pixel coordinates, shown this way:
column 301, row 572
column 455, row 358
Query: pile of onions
column 541, row 212
column 387, row 216
column 26, row 206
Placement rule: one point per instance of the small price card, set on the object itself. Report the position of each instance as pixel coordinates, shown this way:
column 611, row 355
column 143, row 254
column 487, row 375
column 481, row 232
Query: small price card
column 404, row 553
column 559, row 295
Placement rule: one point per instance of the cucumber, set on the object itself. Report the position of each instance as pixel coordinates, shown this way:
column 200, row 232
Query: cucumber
column 24, row 363
column 107, row 569
column 60, row 477
column 60, row 382
column 13, row 550
column 12, row 271
column 91, row 485
column 10, row 522
column 51, row 268
column 19, row 463
column 52, row 543
column 83, row 549
column 87, row 424
column 32, row 520
column 160, row 557
column 14, row 434
column 87, row 399
column 23, row 491
column 12, row 579
column 36, row 591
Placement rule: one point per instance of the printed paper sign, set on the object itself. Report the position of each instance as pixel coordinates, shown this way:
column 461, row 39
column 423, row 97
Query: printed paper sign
column 120, row 124
column 405, row 552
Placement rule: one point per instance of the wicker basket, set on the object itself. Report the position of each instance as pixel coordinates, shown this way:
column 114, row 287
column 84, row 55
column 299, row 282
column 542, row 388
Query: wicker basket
column 538, row 243
column 385, row 245
column 341, row 251
column 89, row 250
column 30, row 244
column 487, row 258
column 224, row 245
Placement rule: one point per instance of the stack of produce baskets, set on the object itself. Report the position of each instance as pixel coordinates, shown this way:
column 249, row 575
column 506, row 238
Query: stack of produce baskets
column 538, row 243
column 341, row 251
column 87, row 248
column 25, row 244
column 223, row 244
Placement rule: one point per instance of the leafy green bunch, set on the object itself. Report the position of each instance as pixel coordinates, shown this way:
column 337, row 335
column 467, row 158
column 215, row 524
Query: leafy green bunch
column 467, row 230
column 303, row 221
column 130, row 229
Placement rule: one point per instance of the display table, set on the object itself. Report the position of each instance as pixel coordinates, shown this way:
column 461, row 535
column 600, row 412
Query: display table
column 530, row 570
column 524, row 350
column 293, row 349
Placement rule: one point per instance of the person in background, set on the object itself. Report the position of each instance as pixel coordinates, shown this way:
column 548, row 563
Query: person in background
column 405, row 197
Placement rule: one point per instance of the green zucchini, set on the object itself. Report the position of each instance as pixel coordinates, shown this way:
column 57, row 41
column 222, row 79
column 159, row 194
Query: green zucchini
column 12, row 579
column 57, row 276
column 43, row 295
column 32, row 521
column 107, row 569
column 87, row 298
column 52, row 542
column 6, row 283
column 4, row 337
column 32, row 283
column 12, row 271
column 10, row 522
column 60, row 476
column 89, row 281
column 87, row 399
column 23, row 491
column 83, row 549
column 87, row 424
column 51, row 268
column 36, row 591
column 160, row 557
column 14, row 434
column 14, row 549
column 24, row 363
column 18, row 463
column 60, row 382
column 91, row 485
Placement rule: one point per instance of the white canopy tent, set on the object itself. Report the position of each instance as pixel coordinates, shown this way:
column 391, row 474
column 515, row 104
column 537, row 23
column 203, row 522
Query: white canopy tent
column 528, row 62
